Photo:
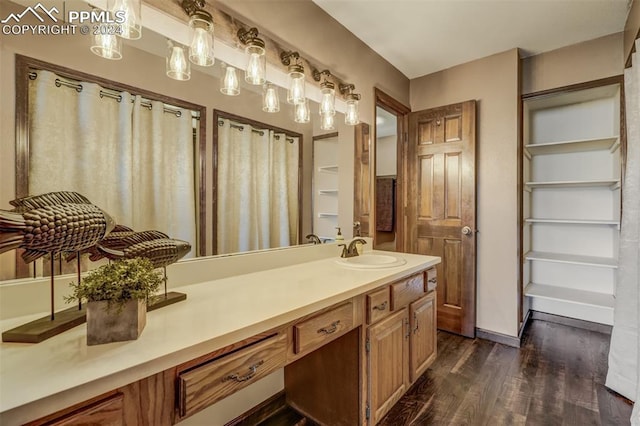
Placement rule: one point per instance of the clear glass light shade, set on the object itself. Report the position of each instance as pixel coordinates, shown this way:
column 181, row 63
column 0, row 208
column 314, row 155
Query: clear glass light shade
column 256, row 66
column 108, row 46
column 352, row 115
column 296, row 92
column 130, row 12
column 302, row 112
column 328, row 101
column 229, row 85
column 327, row 121
column 270, row 100
column 201, row 47
column 178, row 67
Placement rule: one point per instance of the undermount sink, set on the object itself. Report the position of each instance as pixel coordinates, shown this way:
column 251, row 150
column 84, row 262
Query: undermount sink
column 372, row 261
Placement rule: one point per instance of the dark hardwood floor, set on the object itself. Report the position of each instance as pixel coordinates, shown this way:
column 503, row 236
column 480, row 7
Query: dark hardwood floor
column 555, row 378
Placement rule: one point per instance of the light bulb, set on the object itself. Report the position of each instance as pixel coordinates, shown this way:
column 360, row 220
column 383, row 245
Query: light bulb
column 108, row 46
column 229, row 85
column 302, row 113
column 256, row 65
column 270, row 101
column 327, row 102
column 327, row 121
column 129, row 9
column 352, row 116
column 178, row 67
column 296, row 92
column 201, row 47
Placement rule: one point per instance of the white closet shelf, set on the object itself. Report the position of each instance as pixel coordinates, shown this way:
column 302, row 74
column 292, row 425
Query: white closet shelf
column 564, row 294
column 604, row 262
column 327, row 214
column 328, row 191
column 574, row 221
column 611, row 183
column 332, row 169
column 581, row 145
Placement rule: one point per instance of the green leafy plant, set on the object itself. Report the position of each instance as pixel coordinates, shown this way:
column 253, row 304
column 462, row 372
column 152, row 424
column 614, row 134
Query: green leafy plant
column 117, row 283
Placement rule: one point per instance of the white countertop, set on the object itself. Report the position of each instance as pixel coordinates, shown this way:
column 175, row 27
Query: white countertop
column 216, row 313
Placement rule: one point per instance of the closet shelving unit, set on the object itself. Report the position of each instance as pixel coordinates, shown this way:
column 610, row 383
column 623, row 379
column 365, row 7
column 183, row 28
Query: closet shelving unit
column 571, row 202
column 325, row 187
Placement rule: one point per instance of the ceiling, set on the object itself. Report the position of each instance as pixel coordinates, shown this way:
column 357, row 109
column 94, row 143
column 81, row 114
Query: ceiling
column 420, row 37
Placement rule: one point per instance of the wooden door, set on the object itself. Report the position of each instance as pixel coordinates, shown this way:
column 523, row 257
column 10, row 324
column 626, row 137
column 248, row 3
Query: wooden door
column 362, row 181
column 388, row 361
column 422, row 314
column 441, row 206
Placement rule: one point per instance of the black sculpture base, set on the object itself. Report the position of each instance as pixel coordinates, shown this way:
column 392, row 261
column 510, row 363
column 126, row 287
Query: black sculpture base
column 44, row 328
column 162, row 300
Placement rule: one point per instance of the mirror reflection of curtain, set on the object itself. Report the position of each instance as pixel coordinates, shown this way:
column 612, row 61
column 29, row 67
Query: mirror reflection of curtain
column 257, row 193
column 134, row 162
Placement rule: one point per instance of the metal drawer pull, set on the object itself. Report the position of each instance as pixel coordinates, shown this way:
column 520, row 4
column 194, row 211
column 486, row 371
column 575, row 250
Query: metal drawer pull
column 331, row 329
column 433, row 280
column 238, row 378
column 380, row 307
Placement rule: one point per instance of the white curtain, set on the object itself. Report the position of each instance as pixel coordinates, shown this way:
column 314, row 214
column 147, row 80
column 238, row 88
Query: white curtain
column 624, row 354
column 257, row 192
column 134, row 162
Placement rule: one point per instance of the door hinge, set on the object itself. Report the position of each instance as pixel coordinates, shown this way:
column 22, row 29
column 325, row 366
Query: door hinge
column 367, row 346
column 367, row 412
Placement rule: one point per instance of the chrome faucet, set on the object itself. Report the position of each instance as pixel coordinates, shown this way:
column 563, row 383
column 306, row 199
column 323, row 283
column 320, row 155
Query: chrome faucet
column 352, row 250
column 313, row 238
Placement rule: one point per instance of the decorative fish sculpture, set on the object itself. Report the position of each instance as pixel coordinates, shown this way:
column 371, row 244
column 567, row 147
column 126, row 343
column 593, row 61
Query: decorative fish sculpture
column 52, row 222
column 153, row 245
column 117, row 234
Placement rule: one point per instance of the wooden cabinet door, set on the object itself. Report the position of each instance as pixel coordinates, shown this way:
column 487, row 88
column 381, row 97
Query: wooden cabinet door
column 388, row 360
column 422, row 315
column 441, row 206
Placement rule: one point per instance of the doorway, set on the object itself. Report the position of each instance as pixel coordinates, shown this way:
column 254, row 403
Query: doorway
column 389, row 199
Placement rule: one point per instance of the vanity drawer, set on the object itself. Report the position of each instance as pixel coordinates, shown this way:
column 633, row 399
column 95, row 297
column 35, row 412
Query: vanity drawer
column 205, row 384
column 406, row 291
column 378, row 305
column 316, row 331
column 432, row 280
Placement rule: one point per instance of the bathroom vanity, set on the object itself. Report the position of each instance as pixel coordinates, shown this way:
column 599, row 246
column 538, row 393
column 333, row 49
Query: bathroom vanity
column 351, row 340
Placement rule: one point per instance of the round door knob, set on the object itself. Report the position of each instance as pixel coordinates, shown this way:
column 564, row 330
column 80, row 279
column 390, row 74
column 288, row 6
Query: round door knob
column 466, row 230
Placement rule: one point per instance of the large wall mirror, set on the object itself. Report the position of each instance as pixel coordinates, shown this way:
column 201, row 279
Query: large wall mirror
column 141, row 72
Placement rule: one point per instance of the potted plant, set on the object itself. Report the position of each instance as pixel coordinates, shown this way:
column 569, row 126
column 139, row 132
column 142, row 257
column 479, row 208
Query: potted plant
column 117, row 296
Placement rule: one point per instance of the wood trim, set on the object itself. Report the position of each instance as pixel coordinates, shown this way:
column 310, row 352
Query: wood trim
column 401, row 111
column 498, row 337
column 217, row 115
column 520, row 201
column 571, row 322
column 326, row 136
column 262, row 411
column 618, row 79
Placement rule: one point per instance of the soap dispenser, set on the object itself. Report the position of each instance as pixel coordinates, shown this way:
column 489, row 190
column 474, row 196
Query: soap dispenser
column 339, row 237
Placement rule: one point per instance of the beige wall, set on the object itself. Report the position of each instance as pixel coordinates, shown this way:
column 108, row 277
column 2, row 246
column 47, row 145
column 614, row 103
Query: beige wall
column 587, row 61
column 316, row 35
column 631, row 28
column 493, row 83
